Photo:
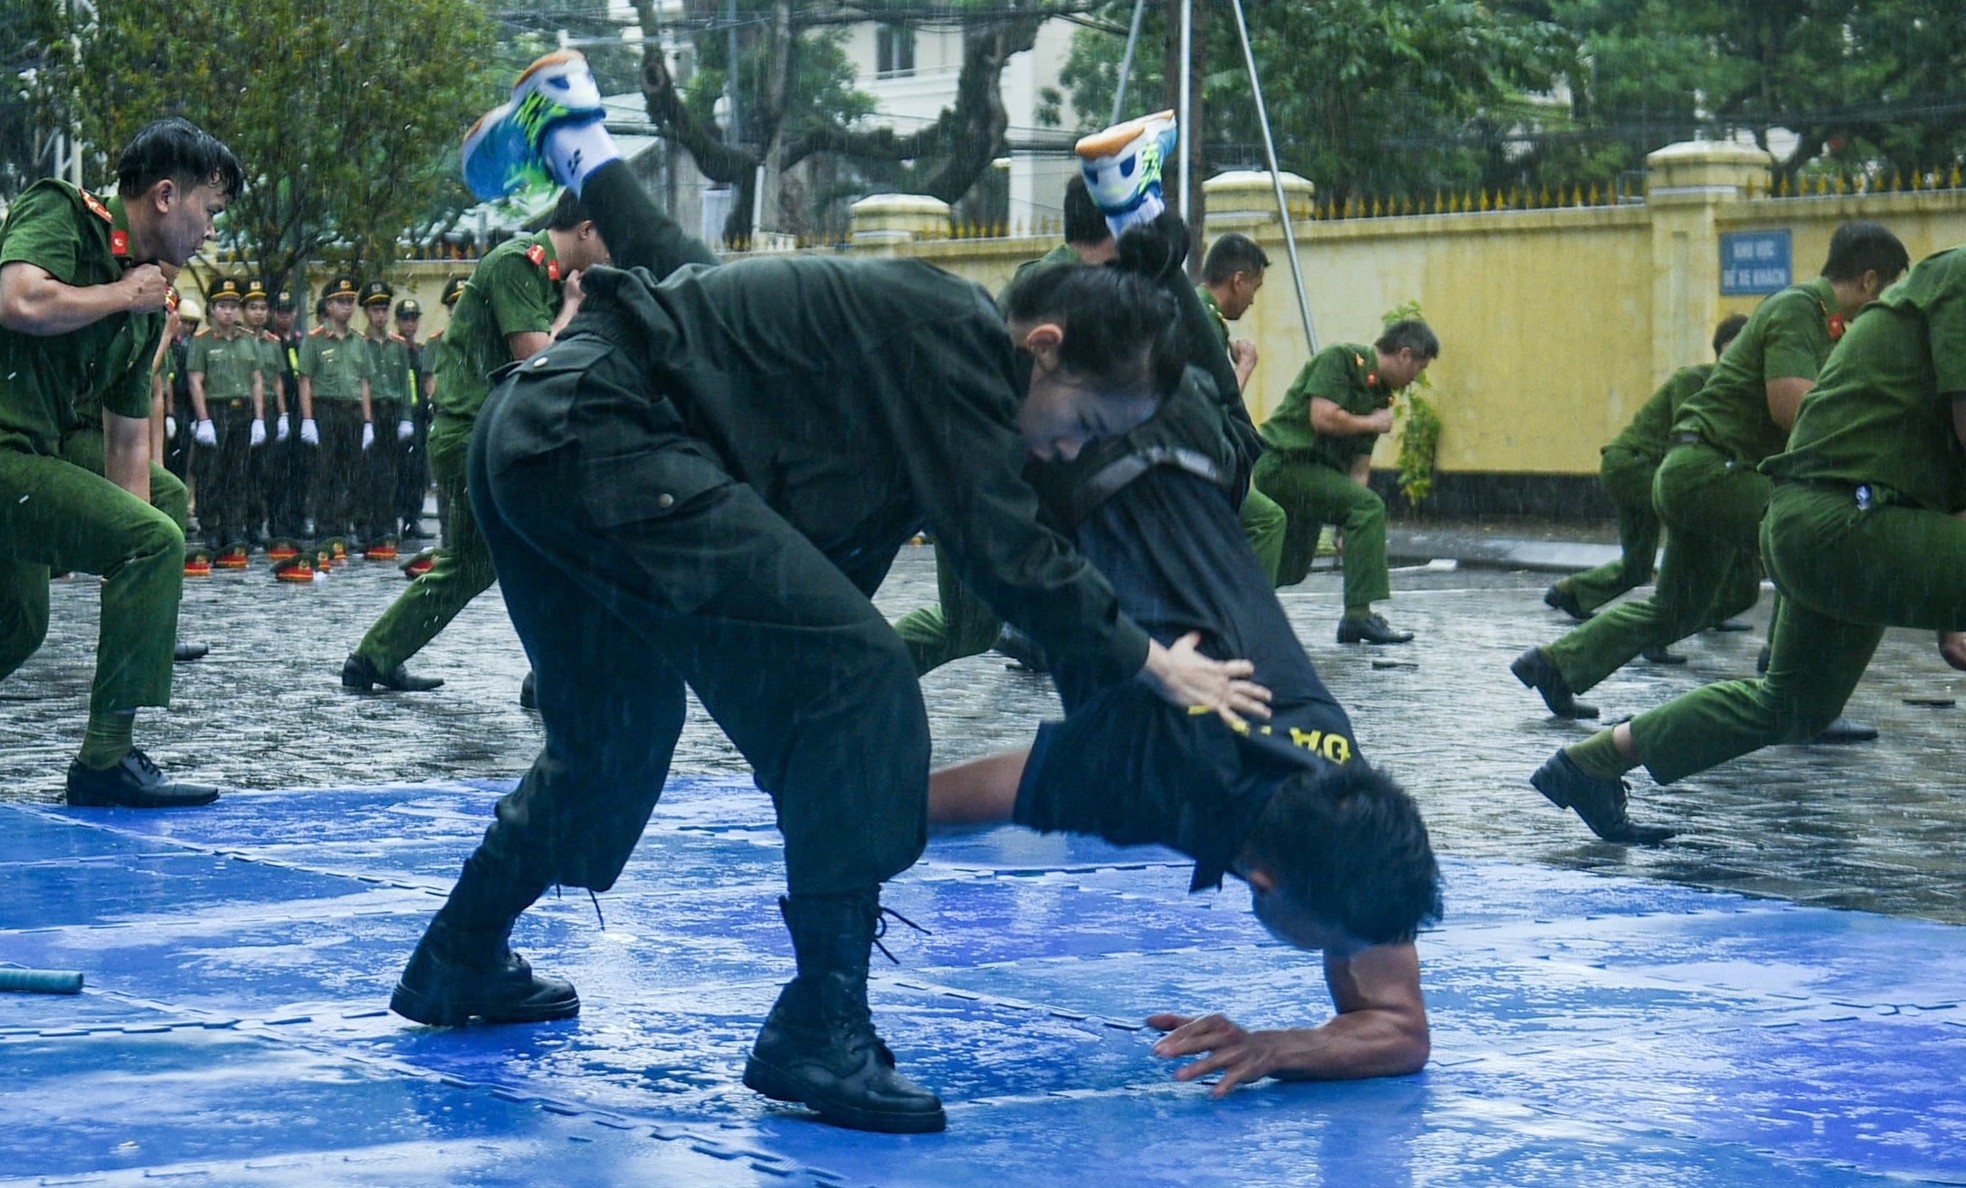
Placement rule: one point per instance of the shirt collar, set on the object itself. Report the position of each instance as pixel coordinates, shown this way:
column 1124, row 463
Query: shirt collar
column 119, row 229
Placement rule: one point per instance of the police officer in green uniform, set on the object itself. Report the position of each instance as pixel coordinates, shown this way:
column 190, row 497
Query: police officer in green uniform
column 1231, row 275
column 335, row 372
column 701, row 483
column 1628, row 465
column 1320, row 458
column 229, row 404
column 290, row 471
column 392, row 401
column 504, row 314
column 413, row 475
column 1866, row 529
column 1707, row 492
column 437, row 356
column 82, row 290
column 255, row 309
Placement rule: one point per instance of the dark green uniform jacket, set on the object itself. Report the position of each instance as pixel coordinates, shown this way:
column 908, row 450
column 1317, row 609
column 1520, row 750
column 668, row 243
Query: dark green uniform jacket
column 48, row 384
column 1787, row 337
column 337, row 365
column 515, row 290
column 1345, row 374
column 1650, row 433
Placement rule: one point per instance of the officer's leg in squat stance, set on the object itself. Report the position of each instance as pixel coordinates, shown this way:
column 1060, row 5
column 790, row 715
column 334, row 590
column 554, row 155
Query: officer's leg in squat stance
column 1264, row 525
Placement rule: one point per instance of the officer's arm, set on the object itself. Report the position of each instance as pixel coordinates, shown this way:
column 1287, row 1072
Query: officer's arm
column 32, row 301
column 126, row 453
column 306, row 397
column 198, row 395
column 1330, row 418
column 259, row 396
column 525, row 344
column 368, row 414
column 1380, row 1029
column 1785, row 399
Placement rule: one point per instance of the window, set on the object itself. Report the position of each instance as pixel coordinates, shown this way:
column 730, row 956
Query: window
column 894, row 51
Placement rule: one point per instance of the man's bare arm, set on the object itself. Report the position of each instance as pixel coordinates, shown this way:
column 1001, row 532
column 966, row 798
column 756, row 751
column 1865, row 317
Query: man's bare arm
column 32, row 301
column 1380, row 1029
column 1785, row 399
column 1330, row 418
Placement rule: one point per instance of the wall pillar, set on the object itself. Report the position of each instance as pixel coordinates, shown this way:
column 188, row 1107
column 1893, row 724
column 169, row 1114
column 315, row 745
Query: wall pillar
column 881, row 221
column 1687, row 186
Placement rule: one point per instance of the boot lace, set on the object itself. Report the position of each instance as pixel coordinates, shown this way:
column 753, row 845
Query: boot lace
column 880, row 930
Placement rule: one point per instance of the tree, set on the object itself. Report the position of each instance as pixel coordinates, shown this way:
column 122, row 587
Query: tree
column 799, row 103
column 30, row 39
column 344, row 118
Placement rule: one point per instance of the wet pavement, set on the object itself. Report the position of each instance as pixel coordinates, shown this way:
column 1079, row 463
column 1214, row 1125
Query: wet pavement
column 1873, row 826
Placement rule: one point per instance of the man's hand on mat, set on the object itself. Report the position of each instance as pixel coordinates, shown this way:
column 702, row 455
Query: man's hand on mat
column 1183, row 675
column 1242, row 1057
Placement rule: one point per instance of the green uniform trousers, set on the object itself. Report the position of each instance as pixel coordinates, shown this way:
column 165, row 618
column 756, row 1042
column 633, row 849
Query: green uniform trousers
column 1313, row 495
column 1846, row 573
column 463, row 568
column 58, row 516
column 1264, row 525
column 1627, row 479
column 1711, row 507
column 963, row 625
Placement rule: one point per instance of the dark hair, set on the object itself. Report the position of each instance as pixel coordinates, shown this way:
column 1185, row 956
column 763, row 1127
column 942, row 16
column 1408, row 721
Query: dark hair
column 1862, row 246
column 180, row 151
column 1410, row 334
column 1232, row 253
column 568, row 213
column 1083, row 221
column 1120, row 327
column 1728, row 330
column 1347, row 843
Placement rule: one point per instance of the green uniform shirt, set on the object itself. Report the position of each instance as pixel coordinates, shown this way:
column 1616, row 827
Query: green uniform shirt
column 49, row 384
column 515, row 290
column 393, row 378
column 228, row 364
column 1787, row 337
column 336, row 365
column 1882, row 414
column 1650, row 432
column 1214, row 309
column 1345, row 374
column 1062, row 254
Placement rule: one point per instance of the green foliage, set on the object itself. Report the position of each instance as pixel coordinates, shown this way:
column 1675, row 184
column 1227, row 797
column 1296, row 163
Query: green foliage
column 1419, row 425
column 345, row 117
column 30, row 39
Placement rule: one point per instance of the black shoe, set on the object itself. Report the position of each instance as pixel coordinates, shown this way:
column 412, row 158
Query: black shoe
column 361, row 674
column 1732, row 625
column 1601, row 803
column 818, row 1046
column 412, row 530
column 1372, row 629
column 452, row 980
column 133, row 783
column 529, row 693
column 1663, row 656
column 1535, row 669
column 1761, row 660
column 1558, row 598
column 184, row 653
column 1843, row 730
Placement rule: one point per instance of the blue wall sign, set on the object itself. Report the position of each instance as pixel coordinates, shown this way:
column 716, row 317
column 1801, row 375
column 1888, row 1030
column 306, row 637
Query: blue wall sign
column 1753, row 263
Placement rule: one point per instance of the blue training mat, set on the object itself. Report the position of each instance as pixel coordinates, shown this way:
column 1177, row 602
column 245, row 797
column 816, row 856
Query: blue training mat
column 1586, row 1030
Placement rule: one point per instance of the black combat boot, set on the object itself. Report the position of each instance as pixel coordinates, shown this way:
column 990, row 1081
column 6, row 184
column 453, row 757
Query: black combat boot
column 818, row 1046
column 464, row 970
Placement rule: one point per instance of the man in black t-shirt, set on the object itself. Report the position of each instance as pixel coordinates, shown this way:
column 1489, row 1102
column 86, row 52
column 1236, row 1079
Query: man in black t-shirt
column 1334, row 852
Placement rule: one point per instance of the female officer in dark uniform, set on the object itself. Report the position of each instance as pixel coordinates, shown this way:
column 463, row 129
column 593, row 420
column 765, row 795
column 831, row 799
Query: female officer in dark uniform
column 702, row 482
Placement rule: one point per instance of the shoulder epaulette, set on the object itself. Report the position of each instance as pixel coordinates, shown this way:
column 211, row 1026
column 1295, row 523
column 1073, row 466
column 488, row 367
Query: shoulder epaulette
column 95, row 206
column 268, row 336
column 395, row 337
column 318, row 330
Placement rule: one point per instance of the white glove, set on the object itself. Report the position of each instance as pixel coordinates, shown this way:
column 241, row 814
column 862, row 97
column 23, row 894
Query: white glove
column 204, row 433
column 259, row 433
column 170, row 426
column 308, row 433
column 280, row 428
column 368, row 435
column 405, row 430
